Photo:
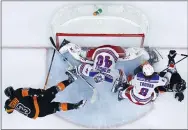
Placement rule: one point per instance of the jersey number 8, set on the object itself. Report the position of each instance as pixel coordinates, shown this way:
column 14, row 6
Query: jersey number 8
column 143, row 91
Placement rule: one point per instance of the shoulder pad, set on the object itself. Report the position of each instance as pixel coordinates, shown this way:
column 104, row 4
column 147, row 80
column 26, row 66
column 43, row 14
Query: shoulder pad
column 141, row 77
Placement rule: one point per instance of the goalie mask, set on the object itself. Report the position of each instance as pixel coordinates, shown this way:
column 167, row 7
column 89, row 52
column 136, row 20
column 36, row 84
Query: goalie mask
column 147, row 70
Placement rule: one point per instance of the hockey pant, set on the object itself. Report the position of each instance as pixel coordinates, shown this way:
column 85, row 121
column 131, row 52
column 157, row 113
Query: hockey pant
column 128, row 93
column 45, row 103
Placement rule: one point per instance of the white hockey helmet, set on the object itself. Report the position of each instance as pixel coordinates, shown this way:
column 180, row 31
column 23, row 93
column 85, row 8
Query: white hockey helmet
column 147, row 70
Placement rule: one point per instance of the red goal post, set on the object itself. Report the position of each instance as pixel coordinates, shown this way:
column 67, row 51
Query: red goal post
column 95, row 40
column 118, row 24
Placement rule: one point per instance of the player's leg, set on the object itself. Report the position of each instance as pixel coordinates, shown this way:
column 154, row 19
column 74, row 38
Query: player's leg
column 53, row 107
column 50, row 93
column 153, row 56
column 83, row 69
column 119, row 80
column 124, row 92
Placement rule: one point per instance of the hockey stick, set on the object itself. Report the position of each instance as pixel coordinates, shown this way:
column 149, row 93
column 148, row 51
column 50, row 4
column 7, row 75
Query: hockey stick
column 159, row 53
column 49, row 69
column 185, row 56
column 94, row 96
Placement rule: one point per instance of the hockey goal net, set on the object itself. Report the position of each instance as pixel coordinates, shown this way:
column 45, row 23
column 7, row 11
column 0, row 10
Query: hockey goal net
column 116, row 24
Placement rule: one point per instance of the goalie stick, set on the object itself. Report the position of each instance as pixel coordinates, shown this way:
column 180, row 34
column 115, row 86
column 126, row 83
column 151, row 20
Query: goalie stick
column 95, row 93
column 159, row 53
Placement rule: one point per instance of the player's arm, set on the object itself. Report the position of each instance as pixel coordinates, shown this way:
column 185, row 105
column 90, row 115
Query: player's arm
column 80, row 56
column 133, row 53
column 132, row 80
column 75, row 51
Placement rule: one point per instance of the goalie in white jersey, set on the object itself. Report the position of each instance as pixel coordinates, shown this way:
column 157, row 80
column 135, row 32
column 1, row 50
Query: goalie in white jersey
column 98, row 63
column 103, row 68
column 145, row 85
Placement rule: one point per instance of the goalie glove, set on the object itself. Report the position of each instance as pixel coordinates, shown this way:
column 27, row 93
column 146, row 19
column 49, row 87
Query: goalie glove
column 77, row 53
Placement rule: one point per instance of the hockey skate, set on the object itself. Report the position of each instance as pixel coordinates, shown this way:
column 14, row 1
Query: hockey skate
column 118, row 83
column 120, row 98
column 72, row 74
column 153, row 57
column 80, row 104
column 121, row 90
column 116, row 86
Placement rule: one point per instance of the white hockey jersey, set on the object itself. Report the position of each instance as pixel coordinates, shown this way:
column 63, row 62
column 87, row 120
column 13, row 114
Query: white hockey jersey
column 143, row 88
column 104, row 59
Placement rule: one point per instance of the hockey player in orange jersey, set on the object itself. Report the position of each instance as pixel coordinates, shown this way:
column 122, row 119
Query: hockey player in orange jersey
column 35, row 103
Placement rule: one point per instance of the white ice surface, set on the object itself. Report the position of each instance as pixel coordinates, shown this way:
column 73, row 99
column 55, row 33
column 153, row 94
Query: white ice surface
column 106, row 111
column 30, row 71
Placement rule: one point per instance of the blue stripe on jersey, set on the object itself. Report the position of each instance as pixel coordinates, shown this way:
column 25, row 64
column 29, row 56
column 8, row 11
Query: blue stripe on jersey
column 108, row 78
column 93, row 73
column 154, row 79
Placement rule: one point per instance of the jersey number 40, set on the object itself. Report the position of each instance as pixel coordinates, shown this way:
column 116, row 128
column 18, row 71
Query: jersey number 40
column 106, row 60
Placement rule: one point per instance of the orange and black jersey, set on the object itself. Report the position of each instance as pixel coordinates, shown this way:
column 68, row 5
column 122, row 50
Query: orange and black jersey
column 25, row 102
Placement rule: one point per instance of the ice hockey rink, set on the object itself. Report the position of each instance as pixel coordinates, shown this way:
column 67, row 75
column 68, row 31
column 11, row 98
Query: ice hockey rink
column 26, row 55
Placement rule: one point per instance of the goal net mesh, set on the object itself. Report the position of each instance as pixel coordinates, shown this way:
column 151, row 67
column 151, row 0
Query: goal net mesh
column 116, row 24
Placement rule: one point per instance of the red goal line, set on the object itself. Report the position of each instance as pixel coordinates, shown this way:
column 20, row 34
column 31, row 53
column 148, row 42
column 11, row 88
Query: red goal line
column 100, row 35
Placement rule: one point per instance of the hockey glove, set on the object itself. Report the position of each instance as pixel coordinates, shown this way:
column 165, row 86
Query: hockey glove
column 181, row 86
column 180, row 96
column 171, row 56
